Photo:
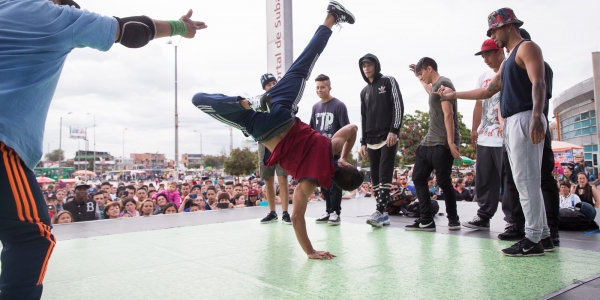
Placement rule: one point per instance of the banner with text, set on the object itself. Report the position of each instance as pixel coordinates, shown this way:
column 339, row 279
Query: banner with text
column 78, row 133
column 279, row 37
column 563, row 156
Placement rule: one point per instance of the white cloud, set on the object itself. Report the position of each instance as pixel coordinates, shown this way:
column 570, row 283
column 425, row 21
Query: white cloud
column 134, row 88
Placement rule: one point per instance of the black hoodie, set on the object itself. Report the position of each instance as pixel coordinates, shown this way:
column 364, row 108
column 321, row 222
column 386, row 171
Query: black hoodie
column 381, row 105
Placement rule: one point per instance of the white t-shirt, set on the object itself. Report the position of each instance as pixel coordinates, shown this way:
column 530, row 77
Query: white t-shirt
column 488, row 130
column 569, row 201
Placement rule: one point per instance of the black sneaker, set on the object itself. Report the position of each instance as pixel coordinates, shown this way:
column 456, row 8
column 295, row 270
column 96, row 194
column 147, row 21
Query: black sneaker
column 548, row 244
column 512, row 232
column 270, row 218
column 477, row 223
column 524, row 247
column 340, row 13
column 453, row 223
column 285, row 218
column 417, row 226
column 260, row 103
column 555, row 237
column 323, row 219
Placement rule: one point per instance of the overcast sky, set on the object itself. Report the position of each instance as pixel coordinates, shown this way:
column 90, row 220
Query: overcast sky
column 134, row 88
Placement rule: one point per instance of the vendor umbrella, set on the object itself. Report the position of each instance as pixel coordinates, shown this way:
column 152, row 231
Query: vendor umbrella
column 43, row 179
column 465, row 161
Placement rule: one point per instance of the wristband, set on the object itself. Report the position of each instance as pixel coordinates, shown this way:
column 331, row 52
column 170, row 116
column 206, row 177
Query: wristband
column 177, row 27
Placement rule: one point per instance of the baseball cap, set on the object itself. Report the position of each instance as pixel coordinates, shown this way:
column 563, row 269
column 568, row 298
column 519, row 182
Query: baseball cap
column 81, row 183
column 500, row 18
column 266, row 78
column 70, row 2
column 253, row 192
column 487, row 45
column 92, row 191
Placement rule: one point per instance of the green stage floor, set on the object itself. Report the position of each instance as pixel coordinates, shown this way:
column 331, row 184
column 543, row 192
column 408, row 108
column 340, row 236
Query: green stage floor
column 247, row 260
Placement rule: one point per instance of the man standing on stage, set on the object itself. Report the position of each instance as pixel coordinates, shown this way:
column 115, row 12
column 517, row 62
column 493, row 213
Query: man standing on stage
column 522, row 87
column 268, row 173
column 381, row 111
column 328, row 116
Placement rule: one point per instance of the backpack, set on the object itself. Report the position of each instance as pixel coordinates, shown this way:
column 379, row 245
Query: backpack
column 570, row 219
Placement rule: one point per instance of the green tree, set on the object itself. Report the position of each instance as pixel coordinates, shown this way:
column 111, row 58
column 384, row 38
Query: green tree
column 216, row 162
column 466, row 148
column 55, row 155
column 413, row 130
column 350, row 159
column 241, row 162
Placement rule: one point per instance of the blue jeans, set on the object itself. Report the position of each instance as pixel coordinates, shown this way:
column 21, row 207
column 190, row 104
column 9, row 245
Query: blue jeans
column 285, row 96
column 588, row 210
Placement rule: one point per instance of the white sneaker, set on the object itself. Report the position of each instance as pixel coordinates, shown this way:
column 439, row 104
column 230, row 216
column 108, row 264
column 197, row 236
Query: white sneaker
column 260, row 103
column 334, row 219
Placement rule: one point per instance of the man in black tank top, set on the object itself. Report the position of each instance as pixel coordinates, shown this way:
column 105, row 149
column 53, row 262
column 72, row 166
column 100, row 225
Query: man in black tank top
column 522, row 88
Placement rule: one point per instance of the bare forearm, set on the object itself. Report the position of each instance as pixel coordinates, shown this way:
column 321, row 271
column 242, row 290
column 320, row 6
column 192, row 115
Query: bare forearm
column 477, row 116
column 539, row 97
column 449, row 123
column 426, row 86
column 348, row 146
column 163, row 29
column 477, row 94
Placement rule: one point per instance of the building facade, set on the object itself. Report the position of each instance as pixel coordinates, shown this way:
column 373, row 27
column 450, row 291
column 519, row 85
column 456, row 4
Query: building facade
column 148, row 160
column 192, row 160
column 576, row 120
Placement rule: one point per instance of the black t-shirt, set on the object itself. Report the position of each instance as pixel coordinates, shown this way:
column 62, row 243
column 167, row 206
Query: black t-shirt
column 86, row 211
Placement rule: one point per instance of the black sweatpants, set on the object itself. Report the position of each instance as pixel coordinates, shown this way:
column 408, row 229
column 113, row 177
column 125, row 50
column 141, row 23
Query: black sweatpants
column 382, row 170
column 487, row 185
column 333, row 198
column 427, row 159
column 27, row 243
column 510, row 197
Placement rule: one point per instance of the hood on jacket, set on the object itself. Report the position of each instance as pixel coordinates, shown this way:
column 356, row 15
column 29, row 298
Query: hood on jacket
column 371, row 58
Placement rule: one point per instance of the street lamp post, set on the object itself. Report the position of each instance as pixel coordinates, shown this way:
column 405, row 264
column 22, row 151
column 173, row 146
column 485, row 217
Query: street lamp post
column 123, row 159
column 201, row 154
column 94, row 163
column 60, row 143
column 176, row 116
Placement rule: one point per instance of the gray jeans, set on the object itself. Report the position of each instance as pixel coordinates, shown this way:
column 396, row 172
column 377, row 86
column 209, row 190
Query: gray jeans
column 526, row 163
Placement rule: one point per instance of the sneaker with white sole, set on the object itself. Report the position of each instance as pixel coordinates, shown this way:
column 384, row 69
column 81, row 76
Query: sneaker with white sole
column 340, row 13
column 261, row 103
column 270, row 218
column 478, row 223
column 525, row 247
column 376, row 219
column 334, row 219
column 386, row 219
column 418, row 226
column 285, row 218
column 323, row 219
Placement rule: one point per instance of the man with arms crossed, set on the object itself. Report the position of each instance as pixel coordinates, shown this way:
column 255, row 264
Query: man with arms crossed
column 301, row 151
column 328, row 116
column 36, row 37
column 522, row 87
column 268, row 173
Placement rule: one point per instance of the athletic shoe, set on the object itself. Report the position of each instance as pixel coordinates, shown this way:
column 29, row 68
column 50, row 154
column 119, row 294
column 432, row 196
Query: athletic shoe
column 418, row 226
column 386, row 219
column 376, row 219
column 261, row 103
column 340, row 13
column 286, row 219
column 334, row 219
column 453, row 223
column 477, row 223
column 323, row 219
column 270, row 218
column 548, row 244
column 511, row 232
column 524, row 247
column 555, row 237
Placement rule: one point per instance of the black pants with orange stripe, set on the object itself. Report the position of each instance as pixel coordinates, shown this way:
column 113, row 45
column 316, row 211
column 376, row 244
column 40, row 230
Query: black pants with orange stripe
column 24, row 230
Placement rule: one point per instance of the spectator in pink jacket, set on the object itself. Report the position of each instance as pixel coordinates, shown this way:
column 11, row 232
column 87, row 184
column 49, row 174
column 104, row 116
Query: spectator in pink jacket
column 171, row 193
